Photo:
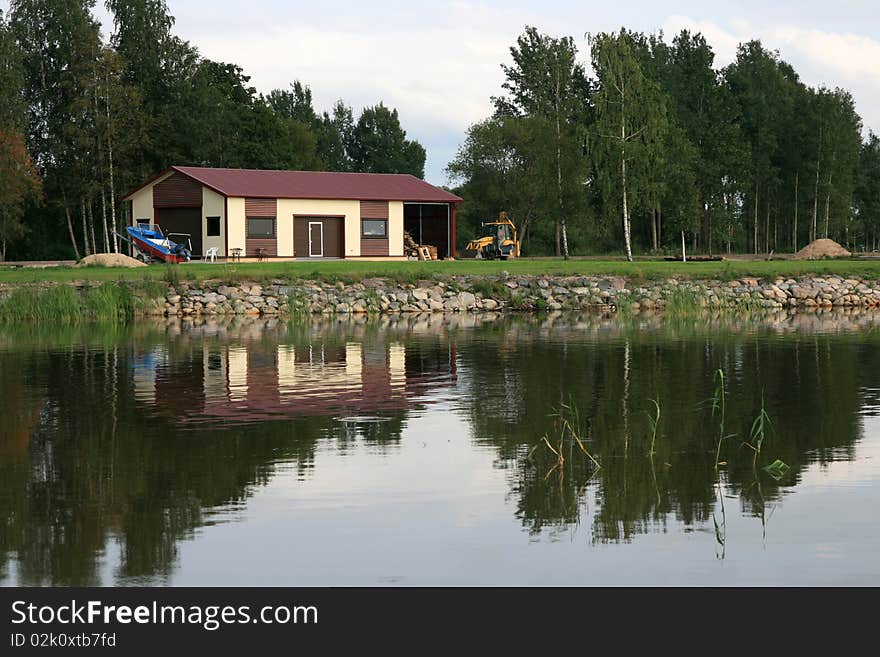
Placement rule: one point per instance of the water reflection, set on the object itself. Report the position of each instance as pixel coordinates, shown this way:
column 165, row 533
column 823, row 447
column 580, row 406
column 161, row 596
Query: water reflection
column 117, row 444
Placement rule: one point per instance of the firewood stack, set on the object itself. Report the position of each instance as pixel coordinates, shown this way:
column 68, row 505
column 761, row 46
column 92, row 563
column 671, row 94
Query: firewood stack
column 411, row 248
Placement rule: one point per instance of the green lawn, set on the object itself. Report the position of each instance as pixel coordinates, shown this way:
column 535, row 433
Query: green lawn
column 409, row 271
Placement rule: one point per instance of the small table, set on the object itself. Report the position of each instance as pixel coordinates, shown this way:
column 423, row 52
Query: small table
column 236, row 254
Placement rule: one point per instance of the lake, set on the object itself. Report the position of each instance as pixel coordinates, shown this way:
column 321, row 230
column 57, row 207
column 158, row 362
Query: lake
column 412, row 451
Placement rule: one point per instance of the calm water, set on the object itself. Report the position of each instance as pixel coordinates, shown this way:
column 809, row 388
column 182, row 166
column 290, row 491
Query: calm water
column 410, row 452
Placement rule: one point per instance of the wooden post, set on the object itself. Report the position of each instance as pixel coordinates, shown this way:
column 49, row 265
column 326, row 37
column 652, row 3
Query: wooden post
column 683, row 255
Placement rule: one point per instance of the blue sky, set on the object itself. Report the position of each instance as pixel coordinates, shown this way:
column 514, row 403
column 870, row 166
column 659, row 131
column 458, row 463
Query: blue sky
column 439, row 62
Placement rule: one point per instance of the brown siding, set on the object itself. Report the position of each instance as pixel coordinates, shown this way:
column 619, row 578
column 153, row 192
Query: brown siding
column 177, row 191
column 374, row 209
column 374, row 247
column 251, row 245
column 260, row 207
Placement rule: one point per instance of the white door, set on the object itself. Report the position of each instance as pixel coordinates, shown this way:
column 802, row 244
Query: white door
column 316, row 239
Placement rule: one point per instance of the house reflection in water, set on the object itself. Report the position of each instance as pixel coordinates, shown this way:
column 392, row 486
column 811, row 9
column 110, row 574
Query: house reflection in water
column 253, row 381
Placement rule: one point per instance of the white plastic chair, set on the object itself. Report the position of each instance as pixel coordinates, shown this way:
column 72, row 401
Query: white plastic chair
column 211, row 254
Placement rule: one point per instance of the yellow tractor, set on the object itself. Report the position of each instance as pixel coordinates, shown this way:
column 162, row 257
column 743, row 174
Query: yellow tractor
column 498, row 240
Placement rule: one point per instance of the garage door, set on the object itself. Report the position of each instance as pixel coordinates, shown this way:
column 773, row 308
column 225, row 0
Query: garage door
column 318, row 237
column 183, row 220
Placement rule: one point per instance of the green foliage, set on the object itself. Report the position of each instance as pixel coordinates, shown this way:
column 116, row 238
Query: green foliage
column 100, row 118
column 379, row 144
column 64, row 304
column 777, row 469
column 747, row 158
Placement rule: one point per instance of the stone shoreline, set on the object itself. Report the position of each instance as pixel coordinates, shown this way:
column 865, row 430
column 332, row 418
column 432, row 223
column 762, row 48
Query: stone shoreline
column 520, row 293
column 470, row 294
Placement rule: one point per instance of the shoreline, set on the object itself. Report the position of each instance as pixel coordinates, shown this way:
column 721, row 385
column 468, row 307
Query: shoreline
column 440, row 294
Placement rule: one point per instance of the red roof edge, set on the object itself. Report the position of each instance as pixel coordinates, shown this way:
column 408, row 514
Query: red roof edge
column 181, row 171
column 175, row 169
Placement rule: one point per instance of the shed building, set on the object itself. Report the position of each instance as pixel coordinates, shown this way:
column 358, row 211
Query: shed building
column 297, row 214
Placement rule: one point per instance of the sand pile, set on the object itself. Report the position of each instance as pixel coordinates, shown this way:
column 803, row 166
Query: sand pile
column 823, row 248
column 110, row 260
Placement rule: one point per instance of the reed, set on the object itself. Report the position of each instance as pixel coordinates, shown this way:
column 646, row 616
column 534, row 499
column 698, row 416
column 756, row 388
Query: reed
column 758, row 432
column 568, row 435
column 654, row 421
column 719, row 410
column 63, row 304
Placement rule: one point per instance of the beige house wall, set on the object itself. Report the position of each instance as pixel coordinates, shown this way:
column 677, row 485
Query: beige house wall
column 213, row 205
column 142, row 205
column 395, row 228
column 289, row 208
column 235, row 222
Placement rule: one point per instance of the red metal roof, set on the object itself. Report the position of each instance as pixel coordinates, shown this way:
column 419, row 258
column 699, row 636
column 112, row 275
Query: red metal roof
column 316, row 185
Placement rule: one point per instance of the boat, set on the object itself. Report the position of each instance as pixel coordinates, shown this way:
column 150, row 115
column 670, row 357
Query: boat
column 151, row 243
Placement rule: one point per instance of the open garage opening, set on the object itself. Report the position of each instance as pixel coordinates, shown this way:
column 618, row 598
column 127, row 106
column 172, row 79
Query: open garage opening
column 429, row 224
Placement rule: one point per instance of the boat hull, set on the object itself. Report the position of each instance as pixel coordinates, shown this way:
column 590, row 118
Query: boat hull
column 144, row 244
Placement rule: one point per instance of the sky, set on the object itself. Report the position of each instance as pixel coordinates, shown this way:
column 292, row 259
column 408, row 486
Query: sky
column 440, row 62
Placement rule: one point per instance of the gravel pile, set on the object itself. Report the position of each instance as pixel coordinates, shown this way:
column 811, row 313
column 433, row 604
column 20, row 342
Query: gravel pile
column 110, row 260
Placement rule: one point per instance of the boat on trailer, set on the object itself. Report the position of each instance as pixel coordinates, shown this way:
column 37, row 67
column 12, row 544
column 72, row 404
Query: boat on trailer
column 150, row 243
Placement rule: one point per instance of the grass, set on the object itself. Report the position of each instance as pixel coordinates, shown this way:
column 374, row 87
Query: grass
column 63, row 304
column 406, row 271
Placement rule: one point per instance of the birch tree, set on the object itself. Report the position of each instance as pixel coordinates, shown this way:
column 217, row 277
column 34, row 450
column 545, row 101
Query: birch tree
column 630, row 124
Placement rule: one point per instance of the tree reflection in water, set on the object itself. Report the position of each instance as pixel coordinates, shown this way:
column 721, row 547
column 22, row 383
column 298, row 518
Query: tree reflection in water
column 132, row 438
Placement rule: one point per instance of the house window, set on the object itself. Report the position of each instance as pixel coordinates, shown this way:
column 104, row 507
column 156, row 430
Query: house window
column 261, row 227
column 143, row 222
column 374, row 228
column 213, row 226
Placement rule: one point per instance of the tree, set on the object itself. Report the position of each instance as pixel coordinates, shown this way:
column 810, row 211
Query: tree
column 764, row 89
column 21, row 185
column 507, row 162
column 547, row 82
column 379, row 144
column 867, row 191
column 13, row 111
column 630, row 125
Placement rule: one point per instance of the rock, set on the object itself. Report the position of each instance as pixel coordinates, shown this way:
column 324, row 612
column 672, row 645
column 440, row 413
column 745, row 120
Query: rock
column 421, row 294
column 467, row 299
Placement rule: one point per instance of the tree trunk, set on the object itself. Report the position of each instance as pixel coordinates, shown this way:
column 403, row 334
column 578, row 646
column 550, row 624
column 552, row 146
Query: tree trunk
column 654, row 228
column 814, row 226
column 767, row 230
column 683, row 256
column 559, row 164
column 756, row 219
column 659, row 225
column 626, row 237
column 70, row 229
column 110, row 166
column 794, row 228
column 828, row 194
column 104, row 219
column 558, row 239
column 92, row 228
column 82, row 209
